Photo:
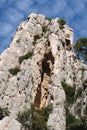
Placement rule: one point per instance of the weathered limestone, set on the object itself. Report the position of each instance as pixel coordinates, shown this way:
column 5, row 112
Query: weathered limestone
column 9, row 123
column 40, row 76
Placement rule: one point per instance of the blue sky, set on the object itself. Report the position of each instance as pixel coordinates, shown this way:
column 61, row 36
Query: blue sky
column 13, row 12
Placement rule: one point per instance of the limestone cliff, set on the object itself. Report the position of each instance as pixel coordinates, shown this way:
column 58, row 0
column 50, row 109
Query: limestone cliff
column 35, row 68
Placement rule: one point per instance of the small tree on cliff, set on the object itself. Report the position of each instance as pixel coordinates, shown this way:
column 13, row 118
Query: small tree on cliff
column 81, row 48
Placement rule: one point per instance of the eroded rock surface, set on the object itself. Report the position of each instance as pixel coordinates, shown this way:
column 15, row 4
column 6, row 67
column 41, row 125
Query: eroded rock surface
column 50, row 61
column 9, row 123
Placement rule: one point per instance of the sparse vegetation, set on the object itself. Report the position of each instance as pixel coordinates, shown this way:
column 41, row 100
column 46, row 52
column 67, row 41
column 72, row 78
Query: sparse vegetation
column 62, row 22
column 48, row 18
column 85, row 81
column 63, row 44
column 3, row 112
column 81, row 48
column 70, row 120
column 75, row 124
column 25, row 57
column 69, row 91
column 35, row 118
column 78, row 108
column 14, row 71
column 82, row 69
column 85, row 111
column 85, row 84
column 78, row 93
column 68, row 36
column 18, row 40
column 45, row 29
column 20, row 28
column 23, row 116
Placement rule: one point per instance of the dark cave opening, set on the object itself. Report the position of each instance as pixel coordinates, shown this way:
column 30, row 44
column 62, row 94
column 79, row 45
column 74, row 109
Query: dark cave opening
column 68, row 45
column 46, row 65
column 67, row 42
column 48, row 59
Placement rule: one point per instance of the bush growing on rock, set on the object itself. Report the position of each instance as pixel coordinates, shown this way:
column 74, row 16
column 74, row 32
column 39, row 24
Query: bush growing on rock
column 75, row 124
column 25, row 57
column 45, row 29
column 35, row 119
column 79, row 92
column 14, row 71
column 69, row 91
column 3, row 112
column 49, row 19
column 61, row 22
column 81, row 48
column 18, row 40
column 23, row 116
column 85, row 111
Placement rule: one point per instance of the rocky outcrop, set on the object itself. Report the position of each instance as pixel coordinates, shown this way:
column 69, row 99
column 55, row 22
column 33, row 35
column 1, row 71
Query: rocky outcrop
column 32, row 70
column 9, row 123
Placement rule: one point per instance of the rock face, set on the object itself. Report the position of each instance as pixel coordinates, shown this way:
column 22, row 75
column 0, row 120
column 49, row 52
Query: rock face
column 9, row 123
column 32, row 70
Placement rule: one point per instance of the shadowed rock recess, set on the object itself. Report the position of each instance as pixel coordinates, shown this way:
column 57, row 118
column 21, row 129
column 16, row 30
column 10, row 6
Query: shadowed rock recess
column 40, row 69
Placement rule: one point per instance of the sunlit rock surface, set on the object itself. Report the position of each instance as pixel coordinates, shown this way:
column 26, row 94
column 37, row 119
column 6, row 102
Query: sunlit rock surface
column 38, row 78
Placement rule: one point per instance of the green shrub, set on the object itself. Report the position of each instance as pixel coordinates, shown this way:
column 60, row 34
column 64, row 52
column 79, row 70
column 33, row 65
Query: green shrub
column 78, row 93
column 85, row 111
column 63, row 44
column 25, row 57
column 22, row 117
column 18, row 40
column 37, row 118
column 75, row 124
column 69, row 91
column 70, row 120
column 80, row 49
column 3, row 112
column 78, row 108
column 82, row 69
column 14, row 71
column 62, row 22
column 45, row 29
column 68, row 36
column 49, row 19
column 80, row 124
column 85, row 81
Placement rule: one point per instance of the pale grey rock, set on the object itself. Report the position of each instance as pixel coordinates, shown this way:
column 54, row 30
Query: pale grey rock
column 9, row 123
column 39, row 80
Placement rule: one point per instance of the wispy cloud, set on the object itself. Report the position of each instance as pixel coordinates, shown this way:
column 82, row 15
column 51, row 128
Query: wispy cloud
column 2, row 1
column 12, row 12
column 24, row 5
column 78, row 6
column 13, row 16
column 5, row 28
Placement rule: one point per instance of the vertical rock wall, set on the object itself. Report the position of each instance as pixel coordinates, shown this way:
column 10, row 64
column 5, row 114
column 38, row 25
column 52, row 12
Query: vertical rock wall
column 47, row 59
